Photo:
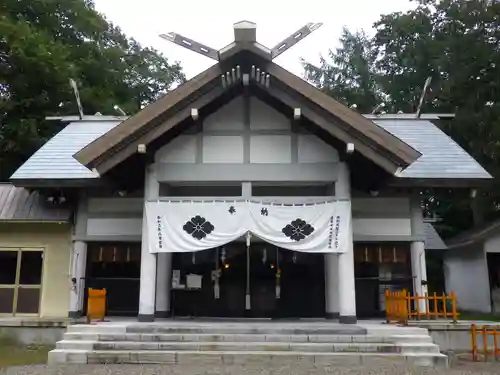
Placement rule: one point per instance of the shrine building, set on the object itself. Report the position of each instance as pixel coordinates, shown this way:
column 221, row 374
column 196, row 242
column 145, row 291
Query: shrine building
column 244, row 192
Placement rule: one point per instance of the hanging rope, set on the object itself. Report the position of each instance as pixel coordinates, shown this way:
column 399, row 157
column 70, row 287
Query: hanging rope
column 247, row 296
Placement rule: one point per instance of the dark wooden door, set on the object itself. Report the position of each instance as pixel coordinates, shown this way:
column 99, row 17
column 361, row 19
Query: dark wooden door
column 263, row 270
column 302, row 285
column 116, row 268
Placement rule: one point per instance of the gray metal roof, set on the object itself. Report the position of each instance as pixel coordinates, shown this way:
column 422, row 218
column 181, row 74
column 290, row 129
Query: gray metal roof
column 441, row 156
column 19, row 204
column 433, row 240
column 54, row 160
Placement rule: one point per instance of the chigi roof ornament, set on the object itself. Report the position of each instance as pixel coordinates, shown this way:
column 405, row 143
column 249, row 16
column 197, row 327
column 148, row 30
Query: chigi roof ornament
column 245, row 37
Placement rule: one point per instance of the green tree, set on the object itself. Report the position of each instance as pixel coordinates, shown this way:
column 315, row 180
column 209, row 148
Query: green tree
column 348, row 74
column 456, row 43
column 44, row 43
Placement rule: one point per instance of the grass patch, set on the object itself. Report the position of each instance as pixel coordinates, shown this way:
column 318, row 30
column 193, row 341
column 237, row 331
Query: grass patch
column 479, row 316
column 13, row 354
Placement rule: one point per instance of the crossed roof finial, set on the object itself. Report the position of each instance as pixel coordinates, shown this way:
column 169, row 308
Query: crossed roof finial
column 245, row 35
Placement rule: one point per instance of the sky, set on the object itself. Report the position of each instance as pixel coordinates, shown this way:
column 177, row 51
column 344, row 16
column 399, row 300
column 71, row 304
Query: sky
column 211, row 23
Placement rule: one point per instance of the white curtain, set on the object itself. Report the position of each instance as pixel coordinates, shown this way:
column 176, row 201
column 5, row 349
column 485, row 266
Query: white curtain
column 314, row 228
column 193, row 226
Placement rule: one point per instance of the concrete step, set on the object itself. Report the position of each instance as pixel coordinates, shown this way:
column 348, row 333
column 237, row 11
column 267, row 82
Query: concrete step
column 59, row 356
column 228, row 342
column 206, row 337
column 218, row 329
column 249, row 346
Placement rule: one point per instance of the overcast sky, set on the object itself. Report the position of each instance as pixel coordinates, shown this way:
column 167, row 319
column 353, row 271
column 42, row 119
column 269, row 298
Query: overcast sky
column 210, row 22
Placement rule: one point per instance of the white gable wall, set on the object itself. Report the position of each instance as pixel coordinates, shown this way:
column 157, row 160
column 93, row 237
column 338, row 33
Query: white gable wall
column 271, row 149
column 311, row 149
column 181, row 149
column 263, row 117
column 228, row 118
column 236, row 134
column 222, row 149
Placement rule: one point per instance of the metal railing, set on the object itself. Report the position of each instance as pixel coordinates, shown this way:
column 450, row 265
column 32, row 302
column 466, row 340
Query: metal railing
column 485, row 342
column 401, row 307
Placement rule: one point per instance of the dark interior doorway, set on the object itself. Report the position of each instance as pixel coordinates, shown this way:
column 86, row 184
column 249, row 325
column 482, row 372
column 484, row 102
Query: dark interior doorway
column 379, row 267
column 302, row 285
column 281, row 283
column 493, row 261
column 264, row 272
column 115, row 267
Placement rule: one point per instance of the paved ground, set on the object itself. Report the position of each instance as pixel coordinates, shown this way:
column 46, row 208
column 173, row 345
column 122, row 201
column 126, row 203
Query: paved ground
column 460, row 368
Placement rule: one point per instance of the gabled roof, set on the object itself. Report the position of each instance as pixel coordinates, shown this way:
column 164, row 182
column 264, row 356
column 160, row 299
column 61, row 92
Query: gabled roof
column 160, row 117
column 442, row 158
column 20, row 205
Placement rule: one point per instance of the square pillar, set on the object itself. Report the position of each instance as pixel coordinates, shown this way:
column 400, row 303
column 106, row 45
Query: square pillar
column 346, row 283
column 147, row 291
column 77, row 279
column 417, row 251
column 163, row 284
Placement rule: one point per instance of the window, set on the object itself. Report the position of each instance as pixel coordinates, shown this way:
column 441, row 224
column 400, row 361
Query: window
column 114, row 260
column 382, row 253
column 20, row 280
column 8, row 266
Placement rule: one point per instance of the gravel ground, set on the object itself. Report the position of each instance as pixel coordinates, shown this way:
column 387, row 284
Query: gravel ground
column 459, row 368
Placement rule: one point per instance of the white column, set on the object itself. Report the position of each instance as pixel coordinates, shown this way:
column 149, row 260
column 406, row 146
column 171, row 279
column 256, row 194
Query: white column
column 331, row 283
column 78, row 260
column 163, row 284
column 346, row 291
column 147, row 293
column 77, row 282
column 418, row 265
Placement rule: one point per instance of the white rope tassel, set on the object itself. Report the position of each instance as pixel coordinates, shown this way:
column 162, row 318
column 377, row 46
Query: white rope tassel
column 278, row 274
column 247, row 295
column 216, row 276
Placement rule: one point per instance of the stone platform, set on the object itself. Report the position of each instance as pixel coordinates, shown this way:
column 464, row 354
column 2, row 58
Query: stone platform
column 230, row 342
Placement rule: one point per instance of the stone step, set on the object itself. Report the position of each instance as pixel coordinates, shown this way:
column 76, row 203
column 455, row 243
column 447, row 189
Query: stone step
column 336, row 329
column 59, row 356
column 204, row 337
column 249, row 346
